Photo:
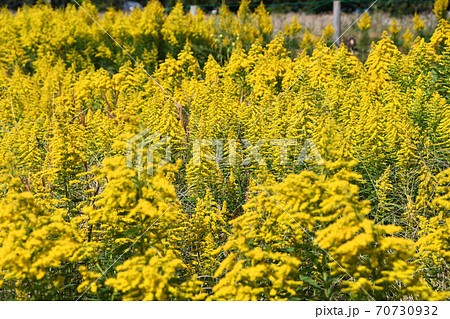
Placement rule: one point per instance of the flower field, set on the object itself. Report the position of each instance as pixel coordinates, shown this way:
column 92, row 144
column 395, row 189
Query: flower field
column 80, row 219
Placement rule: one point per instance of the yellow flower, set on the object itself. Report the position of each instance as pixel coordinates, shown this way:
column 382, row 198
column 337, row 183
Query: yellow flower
column 440, row 9
column 408, row 37
column 308, row 40
column 394, row 28
column 419, row 24
column 365, row 21
column 75, row 196
column 328, row 31
column 293, row 28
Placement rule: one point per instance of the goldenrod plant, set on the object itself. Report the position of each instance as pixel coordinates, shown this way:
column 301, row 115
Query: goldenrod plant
column 419, row 24
column 364, row 24
column 394, row 29
column 440, row 9
column 191, row 172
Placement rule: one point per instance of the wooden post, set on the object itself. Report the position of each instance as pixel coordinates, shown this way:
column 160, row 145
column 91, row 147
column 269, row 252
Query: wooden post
column 337, row 22
column 193, row 10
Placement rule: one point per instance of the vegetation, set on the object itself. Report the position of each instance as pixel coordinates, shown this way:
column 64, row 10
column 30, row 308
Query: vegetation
column 392, row 6
column 371, row 221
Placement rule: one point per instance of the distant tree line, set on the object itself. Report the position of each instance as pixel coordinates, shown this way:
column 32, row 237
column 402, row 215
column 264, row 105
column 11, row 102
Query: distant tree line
column 393, row 6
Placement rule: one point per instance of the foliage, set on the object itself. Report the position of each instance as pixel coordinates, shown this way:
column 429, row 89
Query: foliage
column 370, row 221
column 440, row 9
column 365, row 21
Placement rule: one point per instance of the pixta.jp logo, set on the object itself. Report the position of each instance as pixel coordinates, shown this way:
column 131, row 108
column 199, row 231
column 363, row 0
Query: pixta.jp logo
column 153, row 141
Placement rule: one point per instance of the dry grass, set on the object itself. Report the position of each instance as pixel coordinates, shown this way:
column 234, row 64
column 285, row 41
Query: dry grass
column 315, row 23
column 380, row 21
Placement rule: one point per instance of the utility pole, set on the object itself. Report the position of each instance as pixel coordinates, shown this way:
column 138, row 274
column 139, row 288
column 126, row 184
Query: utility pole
column 337, row 22
column 193, row 10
